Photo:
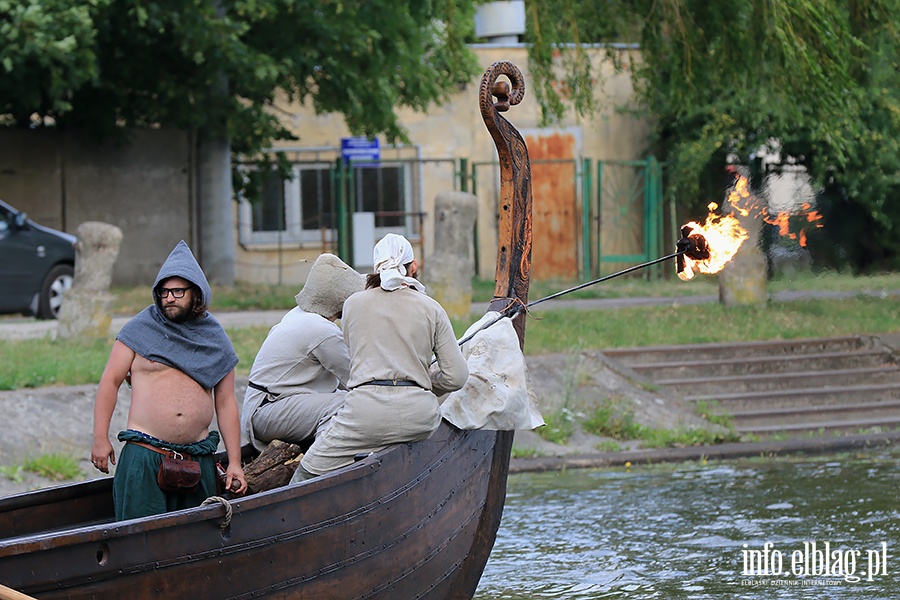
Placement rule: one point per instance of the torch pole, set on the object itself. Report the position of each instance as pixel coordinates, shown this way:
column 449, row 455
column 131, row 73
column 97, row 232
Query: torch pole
column 514, row 310
column 605, row 278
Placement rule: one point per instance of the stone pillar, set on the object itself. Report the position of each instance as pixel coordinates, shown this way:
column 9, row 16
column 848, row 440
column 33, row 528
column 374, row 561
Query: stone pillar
column 448, row 272
column 87, row 309
column 743, row 280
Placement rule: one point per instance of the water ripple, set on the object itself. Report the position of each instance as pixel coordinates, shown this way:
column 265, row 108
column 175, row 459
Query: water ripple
column 683, row 531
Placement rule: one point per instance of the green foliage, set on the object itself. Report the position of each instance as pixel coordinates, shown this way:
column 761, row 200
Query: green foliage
column 608, row 420
column 611, row 420
column 14, row 473
column 247, row 341
column 559, row 426
column 45, row 362
column 55, row 466
column 558, row 32
column 567, row 330
column 729, row 80
column 814, row 80
column 216, row 67
column 608, row 446
column 667, row 438
column 707, row 410
column 524, row 453
column 47, row 51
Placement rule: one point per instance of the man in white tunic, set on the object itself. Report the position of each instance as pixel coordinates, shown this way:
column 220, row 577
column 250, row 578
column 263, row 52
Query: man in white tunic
column 299, row 377
column 392, row 330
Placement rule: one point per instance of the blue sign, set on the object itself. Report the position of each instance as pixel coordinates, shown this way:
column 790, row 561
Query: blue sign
column 358, row 149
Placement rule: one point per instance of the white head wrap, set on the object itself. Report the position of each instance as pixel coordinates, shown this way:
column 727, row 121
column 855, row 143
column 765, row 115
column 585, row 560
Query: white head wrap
column 390, row 254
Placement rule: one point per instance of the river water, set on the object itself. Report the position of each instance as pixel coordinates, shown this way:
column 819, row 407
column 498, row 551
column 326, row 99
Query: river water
column 808, row 527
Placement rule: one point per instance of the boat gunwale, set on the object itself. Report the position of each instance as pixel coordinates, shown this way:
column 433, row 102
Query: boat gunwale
column 101, row 531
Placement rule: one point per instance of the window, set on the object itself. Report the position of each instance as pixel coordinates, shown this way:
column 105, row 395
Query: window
column 316, row 199
column 381, row 190
column 269, row 213
column 301, row 210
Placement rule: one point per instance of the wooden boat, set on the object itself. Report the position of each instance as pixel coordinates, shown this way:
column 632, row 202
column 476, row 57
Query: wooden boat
column 414, row 521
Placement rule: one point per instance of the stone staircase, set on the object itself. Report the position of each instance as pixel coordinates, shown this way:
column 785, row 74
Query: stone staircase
column 792, row 387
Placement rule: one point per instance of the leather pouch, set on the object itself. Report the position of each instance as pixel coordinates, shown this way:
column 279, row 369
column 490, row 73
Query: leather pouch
column 178, row 474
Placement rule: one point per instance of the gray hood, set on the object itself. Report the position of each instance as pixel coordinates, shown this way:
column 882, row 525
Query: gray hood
column 181, row 263
column 198, row 347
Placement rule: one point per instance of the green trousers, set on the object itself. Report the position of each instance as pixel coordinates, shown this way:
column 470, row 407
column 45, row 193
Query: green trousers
column 135, row 491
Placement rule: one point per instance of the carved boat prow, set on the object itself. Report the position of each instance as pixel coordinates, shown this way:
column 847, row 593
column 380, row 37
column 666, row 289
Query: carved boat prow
column 414, row 521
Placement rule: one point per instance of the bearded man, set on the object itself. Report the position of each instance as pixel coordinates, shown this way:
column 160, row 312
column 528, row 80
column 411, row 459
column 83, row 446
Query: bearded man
column 180, row 364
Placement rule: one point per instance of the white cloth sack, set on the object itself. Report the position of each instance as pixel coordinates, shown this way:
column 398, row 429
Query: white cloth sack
column 496, row 395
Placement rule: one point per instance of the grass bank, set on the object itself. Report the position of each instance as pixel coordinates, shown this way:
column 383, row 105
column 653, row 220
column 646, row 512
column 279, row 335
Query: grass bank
column 129, row 301
column 37, row 363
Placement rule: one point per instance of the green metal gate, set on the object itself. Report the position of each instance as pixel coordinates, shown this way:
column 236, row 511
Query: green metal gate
column 621, row 211
column 623, row 224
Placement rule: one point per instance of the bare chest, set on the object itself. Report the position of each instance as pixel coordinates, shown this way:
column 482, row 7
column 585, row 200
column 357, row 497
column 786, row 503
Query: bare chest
column 167, row 403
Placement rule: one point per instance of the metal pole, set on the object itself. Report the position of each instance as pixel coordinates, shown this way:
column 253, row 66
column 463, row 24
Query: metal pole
column 514, row 310
column 586, row 217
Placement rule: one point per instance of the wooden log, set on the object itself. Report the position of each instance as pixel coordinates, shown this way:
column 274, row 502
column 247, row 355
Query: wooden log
column 273, row 468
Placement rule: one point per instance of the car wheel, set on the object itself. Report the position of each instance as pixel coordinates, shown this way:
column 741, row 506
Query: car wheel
column 58, row 281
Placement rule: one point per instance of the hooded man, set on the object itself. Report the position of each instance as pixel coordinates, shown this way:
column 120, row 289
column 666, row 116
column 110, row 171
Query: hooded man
column 180, row 365
column 299, row 375
column 392, row 330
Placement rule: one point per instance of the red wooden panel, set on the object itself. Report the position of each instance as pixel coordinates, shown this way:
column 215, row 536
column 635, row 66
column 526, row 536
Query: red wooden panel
column 555, row 234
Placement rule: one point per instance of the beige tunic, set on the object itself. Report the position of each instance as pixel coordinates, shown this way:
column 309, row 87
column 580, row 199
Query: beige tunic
column 390, row 335
column 302, row 362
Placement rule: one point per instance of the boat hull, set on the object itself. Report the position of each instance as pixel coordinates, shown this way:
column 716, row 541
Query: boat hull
column 415, row 521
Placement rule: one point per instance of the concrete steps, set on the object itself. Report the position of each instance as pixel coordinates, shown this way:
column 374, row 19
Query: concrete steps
column 838, row 384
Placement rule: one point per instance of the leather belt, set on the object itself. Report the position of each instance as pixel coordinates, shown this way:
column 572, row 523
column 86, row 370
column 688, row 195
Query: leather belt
column 164, row 451
column 261, row 388
column 390, row 382
column 269, row 399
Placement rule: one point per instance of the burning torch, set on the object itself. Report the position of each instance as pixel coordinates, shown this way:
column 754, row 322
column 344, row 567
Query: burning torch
column 691, row 249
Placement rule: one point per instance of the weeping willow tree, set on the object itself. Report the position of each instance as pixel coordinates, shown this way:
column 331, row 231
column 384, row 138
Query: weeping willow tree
column 815, row 79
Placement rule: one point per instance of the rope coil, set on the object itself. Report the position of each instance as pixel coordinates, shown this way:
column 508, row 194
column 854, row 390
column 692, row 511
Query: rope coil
column 228, row 510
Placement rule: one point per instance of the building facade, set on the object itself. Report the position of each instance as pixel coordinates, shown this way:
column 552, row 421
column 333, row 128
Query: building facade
column 282, row 231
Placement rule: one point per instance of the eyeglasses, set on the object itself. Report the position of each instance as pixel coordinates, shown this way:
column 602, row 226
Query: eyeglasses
column 176, row 292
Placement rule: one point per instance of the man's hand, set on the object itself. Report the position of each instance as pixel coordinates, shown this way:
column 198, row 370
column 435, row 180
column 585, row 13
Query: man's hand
column 102, row 455
column 235, row 480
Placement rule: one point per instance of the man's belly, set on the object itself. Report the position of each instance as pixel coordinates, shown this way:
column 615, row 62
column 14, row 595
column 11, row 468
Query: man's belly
column 169, row 405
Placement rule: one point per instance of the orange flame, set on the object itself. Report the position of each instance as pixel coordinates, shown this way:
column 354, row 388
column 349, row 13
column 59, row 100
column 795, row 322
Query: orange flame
column 724, row 233
column 724, row 236
column 783, row 221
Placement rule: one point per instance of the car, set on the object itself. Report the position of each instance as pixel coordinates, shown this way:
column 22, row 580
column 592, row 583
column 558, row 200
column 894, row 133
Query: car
column 37, row 265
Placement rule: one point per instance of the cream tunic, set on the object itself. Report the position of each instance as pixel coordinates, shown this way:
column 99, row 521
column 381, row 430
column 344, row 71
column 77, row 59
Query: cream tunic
column 302, row 362
column 391, row 335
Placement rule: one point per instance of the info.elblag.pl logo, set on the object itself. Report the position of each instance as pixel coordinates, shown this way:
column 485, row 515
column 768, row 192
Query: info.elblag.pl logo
column 815, row 560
